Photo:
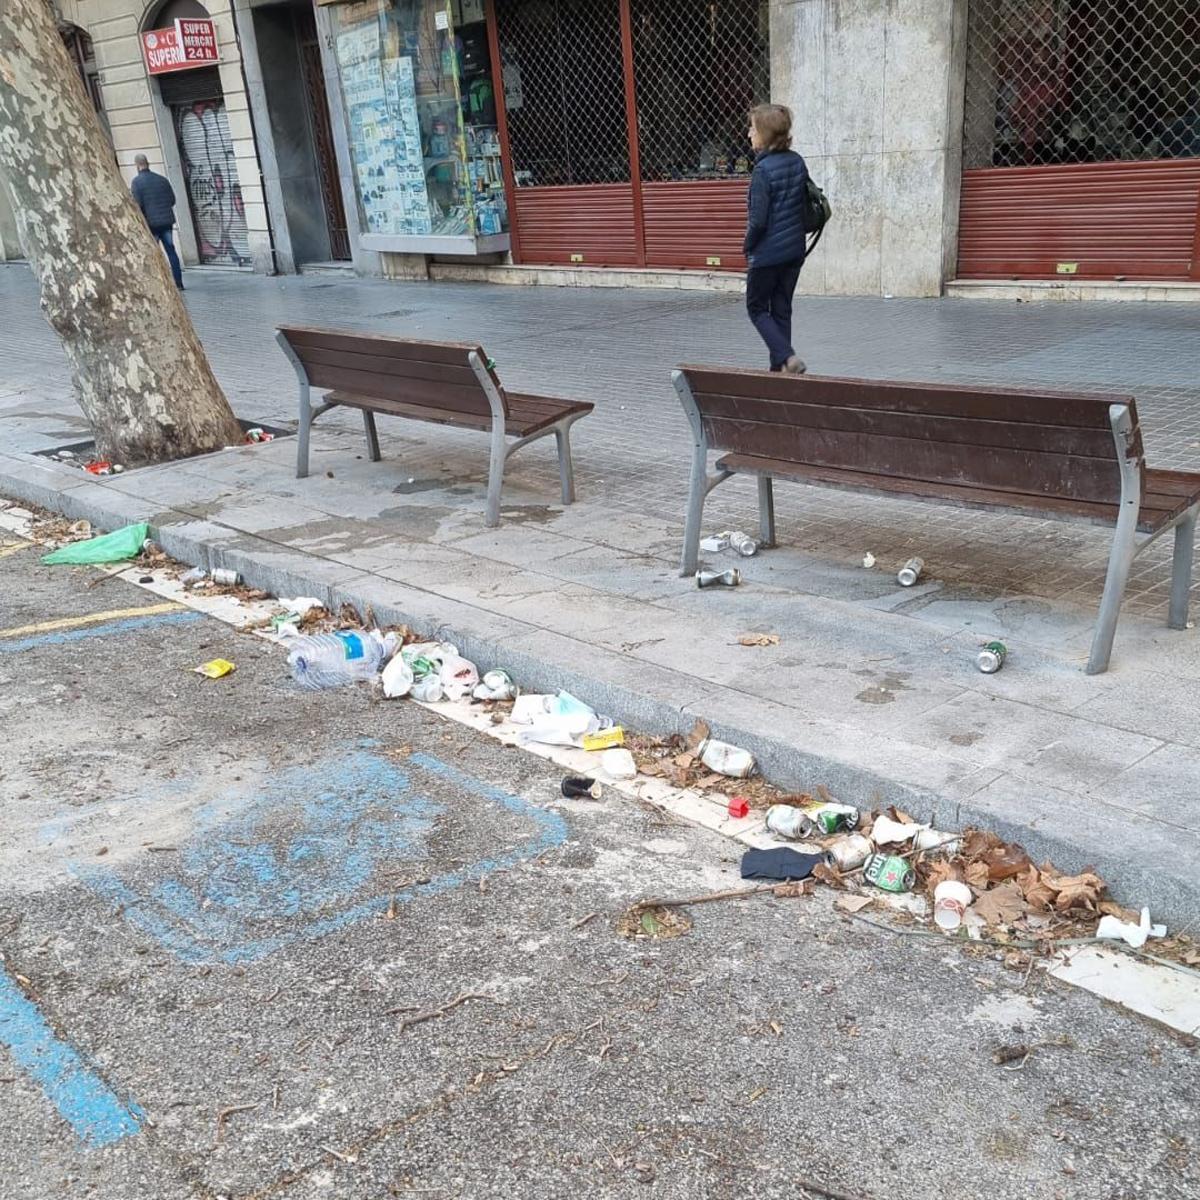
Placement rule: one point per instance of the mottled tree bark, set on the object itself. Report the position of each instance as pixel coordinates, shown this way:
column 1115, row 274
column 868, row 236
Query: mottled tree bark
column 141, row 376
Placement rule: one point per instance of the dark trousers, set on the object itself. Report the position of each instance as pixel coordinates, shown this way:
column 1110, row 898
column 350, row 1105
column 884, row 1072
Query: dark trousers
column 168, row 244
column 769, row 302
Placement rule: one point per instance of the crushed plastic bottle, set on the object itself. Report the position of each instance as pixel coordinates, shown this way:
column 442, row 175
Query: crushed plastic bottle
column 329, row 660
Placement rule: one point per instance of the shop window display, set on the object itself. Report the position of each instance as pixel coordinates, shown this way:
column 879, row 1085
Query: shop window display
column 420, row 112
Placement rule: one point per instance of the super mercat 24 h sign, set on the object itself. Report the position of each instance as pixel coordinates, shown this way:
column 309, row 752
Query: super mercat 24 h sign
column 190, row 42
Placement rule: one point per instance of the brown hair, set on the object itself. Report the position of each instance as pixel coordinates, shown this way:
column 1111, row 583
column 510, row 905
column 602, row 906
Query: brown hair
column 774, row 125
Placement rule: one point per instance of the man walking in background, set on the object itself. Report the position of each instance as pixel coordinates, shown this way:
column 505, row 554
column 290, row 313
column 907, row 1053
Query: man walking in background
column 156, row 198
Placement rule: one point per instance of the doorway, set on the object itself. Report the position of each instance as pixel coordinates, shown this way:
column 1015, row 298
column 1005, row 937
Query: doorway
column 209, row 164
column 293, row 77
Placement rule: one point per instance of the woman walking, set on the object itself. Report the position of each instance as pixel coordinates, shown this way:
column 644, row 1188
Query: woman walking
column 774, row 244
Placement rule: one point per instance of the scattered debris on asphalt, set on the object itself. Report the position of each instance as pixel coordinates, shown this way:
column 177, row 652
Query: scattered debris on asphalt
column 121, row 544
column 653, row 921
column 579, row 787
column 991, row 658
column 758, row 639
column 216, row 668
column 709, row 579
column 868, row 560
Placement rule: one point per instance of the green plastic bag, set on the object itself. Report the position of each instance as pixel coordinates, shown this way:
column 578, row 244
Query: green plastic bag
column 108, row 547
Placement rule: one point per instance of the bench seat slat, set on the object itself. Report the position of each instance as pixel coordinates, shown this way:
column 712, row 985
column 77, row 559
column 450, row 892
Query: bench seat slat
column 1011, row 435
column 917, row 458
column 1165, row 499
column 981, row 403
column 524, row 417
column 456, row 374
column 381, row 344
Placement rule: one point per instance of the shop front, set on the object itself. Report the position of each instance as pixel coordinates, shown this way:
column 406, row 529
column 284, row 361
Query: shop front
column 1082, row 141
column 421, row 126
column 623, row 127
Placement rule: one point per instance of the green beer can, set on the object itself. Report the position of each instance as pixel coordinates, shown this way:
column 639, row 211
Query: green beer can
column 889, row 873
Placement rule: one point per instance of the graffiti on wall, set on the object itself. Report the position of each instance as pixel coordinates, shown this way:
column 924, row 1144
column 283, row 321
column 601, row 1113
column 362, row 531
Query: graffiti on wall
column 210, row 173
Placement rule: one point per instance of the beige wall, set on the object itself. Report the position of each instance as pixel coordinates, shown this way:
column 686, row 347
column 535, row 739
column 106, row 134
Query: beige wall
column 876, row 88
column 140, row 123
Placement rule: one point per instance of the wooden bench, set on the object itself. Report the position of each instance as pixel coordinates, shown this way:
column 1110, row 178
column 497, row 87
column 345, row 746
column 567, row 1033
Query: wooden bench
column 1044, row 454
column 447, row 383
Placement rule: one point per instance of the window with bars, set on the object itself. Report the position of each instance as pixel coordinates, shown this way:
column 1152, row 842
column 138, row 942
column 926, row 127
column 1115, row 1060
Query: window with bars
column 699, row 67
column 564, row 91
column 1078, row 81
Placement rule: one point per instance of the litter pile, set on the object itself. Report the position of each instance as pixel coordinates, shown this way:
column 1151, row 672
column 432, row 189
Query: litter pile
column 971, row 885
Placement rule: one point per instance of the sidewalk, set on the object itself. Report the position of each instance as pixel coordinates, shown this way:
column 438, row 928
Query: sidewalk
column 872, row 689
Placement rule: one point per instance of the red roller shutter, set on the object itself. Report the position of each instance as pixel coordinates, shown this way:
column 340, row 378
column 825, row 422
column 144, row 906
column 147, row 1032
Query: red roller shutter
column 592, row 220
column 1134, row 220
column 688, row 223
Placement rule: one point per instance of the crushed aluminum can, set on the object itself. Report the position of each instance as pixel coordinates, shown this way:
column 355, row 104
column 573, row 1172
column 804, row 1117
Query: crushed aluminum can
column 745, row 545
column 707, row 579
column 991, row 657
column 908, row 574
column 889, row 873
column 224, row 577
column 849, row 852
column 579, row 787
column 835, row 820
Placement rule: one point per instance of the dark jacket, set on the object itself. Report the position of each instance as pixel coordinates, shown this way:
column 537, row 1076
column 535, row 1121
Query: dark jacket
column 775, row 228
column 156, row 198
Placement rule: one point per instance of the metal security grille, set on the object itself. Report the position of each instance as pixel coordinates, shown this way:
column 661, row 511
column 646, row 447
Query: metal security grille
column 699, row 66
column 564, row 91
column 1081, row 81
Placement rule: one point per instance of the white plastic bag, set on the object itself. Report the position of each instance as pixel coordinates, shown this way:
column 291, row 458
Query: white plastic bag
column 397, row 678
column 459, row 676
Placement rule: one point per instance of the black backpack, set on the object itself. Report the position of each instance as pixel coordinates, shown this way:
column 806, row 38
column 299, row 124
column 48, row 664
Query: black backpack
column 817, row 211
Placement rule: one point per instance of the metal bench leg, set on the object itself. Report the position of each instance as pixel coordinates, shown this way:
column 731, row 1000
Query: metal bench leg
column 306, row 420
column 1181, row 572
column 372, row 435
column 566, row 469
column 695, row 512
column 766, row 513
column 495, row 476
column 1119, row 561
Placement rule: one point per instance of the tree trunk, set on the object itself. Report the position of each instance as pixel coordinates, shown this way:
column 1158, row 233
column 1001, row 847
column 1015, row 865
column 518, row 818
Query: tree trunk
column 141, row 376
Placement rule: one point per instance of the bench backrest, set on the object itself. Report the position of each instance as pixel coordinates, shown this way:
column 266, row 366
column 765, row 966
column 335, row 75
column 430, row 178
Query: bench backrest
column 1038, row 443
column 395, row 370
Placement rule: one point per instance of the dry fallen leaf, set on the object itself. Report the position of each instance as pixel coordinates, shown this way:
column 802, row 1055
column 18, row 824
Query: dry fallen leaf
column 1035, row 890
column 938, row 871
column 853, row 904
column 976, row 876
column 825, row 874
column 759, row 639
column 1076, row 891
column 699, row 735
column 1002, row 905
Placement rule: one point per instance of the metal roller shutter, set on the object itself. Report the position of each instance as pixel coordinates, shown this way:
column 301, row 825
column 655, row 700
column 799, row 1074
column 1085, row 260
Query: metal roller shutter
column 1082, row 140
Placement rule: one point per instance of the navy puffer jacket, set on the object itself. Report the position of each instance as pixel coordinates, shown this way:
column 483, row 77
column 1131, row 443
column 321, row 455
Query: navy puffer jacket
column 156, row 198
column 775, row 228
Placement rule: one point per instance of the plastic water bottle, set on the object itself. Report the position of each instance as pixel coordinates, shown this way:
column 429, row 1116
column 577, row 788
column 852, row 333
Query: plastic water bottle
column 327, row 660
column 725, row 759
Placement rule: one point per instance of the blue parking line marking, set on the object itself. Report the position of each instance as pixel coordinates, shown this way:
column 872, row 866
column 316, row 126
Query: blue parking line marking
column 78, row 635
column 237, row 893
column 84, row 1100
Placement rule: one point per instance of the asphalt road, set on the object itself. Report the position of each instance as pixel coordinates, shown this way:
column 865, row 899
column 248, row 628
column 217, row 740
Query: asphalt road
column 224, row 904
